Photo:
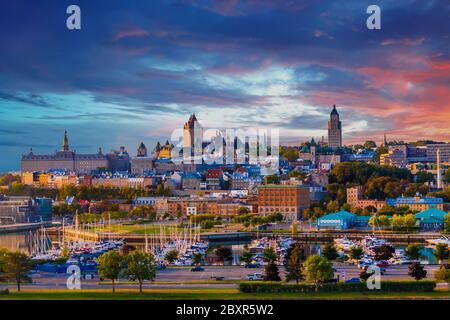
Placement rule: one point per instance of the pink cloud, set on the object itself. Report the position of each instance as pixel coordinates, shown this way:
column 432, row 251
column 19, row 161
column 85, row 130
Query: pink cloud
column 404, row 42
column 130, row 33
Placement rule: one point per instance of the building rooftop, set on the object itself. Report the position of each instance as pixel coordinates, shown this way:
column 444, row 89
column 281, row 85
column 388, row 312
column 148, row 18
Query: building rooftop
column 431, row 213
column 283, row 186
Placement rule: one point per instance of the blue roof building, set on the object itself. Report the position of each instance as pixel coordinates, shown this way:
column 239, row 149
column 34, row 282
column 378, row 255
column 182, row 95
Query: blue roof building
column 417, row 202
column 431, row 219
column 341, row 220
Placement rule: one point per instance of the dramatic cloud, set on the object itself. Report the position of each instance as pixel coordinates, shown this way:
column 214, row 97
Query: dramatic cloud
column 136, row 70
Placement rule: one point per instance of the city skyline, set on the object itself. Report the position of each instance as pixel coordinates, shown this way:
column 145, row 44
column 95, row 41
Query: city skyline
column 134, row 73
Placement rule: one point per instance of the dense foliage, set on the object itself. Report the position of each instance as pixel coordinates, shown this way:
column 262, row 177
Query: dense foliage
column 386, row 286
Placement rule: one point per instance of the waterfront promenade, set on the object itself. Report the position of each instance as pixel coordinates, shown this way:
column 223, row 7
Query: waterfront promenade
column 21, row 227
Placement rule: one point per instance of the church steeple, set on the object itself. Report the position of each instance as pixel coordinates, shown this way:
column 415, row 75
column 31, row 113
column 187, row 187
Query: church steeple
column 65, row 145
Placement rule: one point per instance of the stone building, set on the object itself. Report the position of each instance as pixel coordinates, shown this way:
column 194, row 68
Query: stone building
column 142, row 162
column 65, row 159
column 289, row 200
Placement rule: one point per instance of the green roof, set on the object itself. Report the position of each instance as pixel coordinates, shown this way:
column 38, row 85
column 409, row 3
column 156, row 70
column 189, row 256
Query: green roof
column 338, row 215
column 345, row 213
column 431, row 220
column 431, row 213
column 362, row 218
column 332, row 216
column 305, row 149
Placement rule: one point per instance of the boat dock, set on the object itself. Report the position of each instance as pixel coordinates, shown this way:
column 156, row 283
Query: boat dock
column 307, row 237
column 391, row 237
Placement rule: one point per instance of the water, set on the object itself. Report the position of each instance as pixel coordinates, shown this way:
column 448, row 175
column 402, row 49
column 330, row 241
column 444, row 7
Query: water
column 19, row 241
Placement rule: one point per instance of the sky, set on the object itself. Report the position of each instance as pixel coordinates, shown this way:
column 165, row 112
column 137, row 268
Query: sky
column 137, row 69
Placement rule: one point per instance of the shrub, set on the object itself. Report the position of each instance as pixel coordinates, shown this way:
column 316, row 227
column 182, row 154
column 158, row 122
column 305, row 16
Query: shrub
column 6, row 291
column 386, row 286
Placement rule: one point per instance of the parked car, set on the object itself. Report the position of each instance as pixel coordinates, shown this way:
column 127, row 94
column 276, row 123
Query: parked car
column 382, row 270
column 364, row 264
column 161, row 266
column 197, row 269
column 253, row 265
column 255, row 276
column 382, row 264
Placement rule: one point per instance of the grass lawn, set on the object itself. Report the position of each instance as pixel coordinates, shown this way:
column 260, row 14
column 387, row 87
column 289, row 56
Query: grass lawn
column 141, row 229
column 195, row 294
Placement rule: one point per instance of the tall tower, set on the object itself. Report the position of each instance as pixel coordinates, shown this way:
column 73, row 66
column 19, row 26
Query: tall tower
column 439, row 174
column 334, row 130
column 192, row 137
column 65, row 145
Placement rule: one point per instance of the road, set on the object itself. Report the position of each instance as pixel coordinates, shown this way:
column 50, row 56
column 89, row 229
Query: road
column 184, row 278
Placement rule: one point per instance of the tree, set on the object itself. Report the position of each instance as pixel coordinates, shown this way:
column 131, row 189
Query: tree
column 297, row 174
column 141, row 266
column 409, row 221
column 291, row 248
column 416, row 270
column 447, row 176
column 397, row 222
column 224, row 254
column 329, row 251
column 441, row 252
column 269, row 254
column 333, row 206
column 162, row 191
column 383, row 252
column 65, row 252
column 273, row 179
column 294, row 227
column 16, row 266
column 370, row 144
column 442, row 274
column 364, row 275
column 171, row 256
column 197, row 258
column 110, row 265
column 271, row 272
column 423, row 177
column 243, row 210
column 413, row 251
column 318, row 269
column 246, row 257
column 289, row 153
column 356, row 253
column 381, row 150
column 447, row 223
column 295, row 269
column 3, row 253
